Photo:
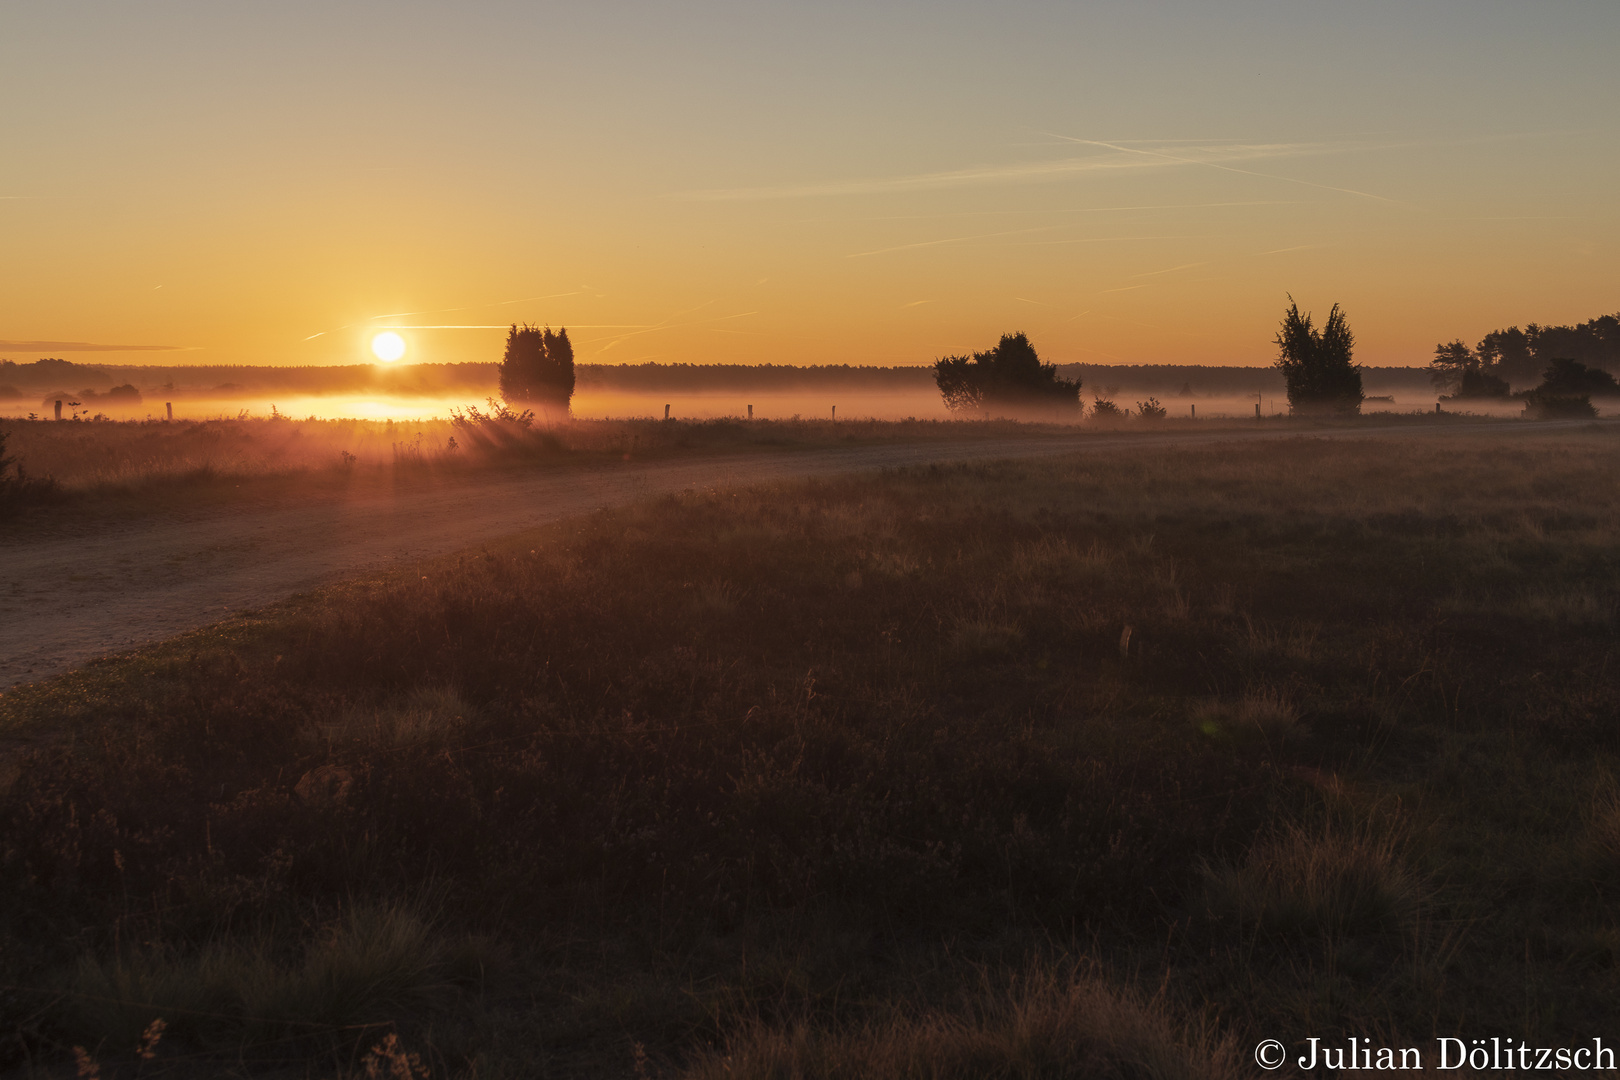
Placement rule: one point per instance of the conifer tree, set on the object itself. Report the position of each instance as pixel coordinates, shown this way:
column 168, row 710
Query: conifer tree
column 538, row 367
column 1317, row 365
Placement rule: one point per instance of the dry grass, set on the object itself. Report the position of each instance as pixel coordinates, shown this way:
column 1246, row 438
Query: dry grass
column 1045, row 1026
column 822, row 756
column 1330, row 881
column 1265, row 712
column 371, row 967
column 108, row 456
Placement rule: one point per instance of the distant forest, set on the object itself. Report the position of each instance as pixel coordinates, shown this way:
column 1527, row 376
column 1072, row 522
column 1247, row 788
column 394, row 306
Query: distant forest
column 479, row 380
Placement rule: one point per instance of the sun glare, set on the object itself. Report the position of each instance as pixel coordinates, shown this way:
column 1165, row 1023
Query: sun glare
column 388, row 346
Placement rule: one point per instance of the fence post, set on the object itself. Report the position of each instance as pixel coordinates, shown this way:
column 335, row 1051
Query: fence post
column 1194, row 411
column 1437, row 408
column 835, row 412
column 169, row 405
column 1257, row 410
column 750, row 412
column 59, row 408
column 666, row 412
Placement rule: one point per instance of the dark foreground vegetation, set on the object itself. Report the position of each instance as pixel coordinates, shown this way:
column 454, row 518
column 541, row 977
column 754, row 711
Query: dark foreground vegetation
column 1108, row 767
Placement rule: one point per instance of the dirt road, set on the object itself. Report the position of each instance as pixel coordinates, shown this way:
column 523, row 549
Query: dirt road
column 68, row 599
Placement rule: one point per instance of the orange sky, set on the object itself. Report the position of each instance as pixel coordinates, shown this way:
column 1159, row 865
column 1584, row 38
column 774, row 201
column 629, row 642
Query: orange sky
column 794, row 183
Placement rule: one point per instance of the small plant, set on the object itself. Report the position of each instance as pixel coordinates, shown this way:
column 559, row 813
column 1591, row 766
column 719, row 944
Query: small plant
column 1104, row 410
column 389, row 1060
column 1150, row 409
column 472, row 418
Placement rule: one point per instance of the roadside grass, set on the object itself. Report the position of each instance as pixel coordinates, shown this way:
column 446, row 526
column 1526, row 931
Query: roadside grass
column 103, row 457
column 866, row 776
column 118, row 468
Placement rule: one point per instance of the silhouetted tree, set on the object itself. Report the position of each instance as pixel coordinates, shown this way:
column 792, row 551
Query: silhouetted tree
column 1566, row 376
column 1317, row 365
column 538, row 368
column 1457, row 369
column 1011, row 374
column 1519, row 356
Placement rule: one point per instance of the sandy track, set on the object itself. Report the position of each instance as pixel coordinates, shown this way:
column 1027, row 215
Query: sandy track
column 65, row 600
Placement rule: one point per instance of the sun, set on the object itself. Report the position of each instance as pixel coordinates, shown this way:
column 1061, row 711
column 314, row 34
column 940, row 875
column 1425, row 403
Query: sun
column 388, row 346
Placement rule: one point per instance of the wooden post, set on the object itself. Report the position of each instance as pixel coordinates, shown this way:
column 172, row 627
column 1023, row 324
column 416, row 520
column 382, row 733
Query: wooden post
column 666, row 412
column 835, row 412
column 1437, row 408
column 59, row 408
column 169, row 405
column 750, row 412
column 1257, row 410
column 1194, row 411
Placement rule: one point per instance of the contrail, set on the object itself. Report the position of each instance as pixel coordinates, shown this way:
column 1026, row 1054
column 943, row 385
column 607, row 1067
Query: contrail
column 1223, row 168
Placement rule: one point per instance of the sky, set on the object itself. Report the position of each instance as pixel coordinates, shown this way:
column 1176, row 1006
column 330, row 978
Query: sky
column 831, row 182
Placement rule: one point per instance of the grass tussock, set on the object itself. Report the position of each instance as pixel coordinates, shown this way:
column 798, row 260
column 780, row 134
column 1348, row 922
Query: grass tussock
column 1264, row 712
column 375, row 965
column 1332, row 881
column 1044, row 1026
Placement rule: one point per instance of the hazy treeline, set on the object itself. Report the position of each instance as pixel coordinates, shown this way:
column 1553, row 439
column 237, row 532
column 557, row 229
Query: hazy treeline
column 1522, row 356
column 51, row 375
column 481, row 379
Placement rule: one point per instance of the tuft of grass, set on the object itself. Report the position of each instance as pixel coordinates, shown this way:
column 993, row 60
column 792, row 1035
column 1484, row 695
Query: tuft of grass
column 1329, row 881
column 1265, row 712
column 984, row 639
column 373, row 967
column 423, row 715
column 1045, row 1025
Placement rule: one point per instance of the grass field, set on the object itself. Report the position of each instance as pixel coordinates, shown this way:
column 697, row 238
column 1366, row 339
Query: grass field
column 1113, row 765
column 117, row 468
column 130, row 464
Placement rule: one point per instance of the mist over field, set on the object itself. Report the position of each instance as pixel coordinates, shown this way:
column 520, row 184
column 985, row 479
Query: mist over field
column 693, row 392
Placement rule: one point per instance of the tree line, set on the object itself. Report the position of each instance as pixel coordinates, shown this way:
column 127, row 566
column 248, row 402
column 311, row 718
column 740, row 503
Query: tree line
column 1513, row 357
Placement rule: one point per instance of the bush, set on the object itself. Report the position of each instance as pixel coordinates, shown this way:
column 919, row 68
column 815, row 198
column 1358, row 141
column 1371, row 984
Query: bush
column 1539, row 404
column 1151, row 409
column 1572, row 378
column 17, row 487
column 1009, row 375
column 1106, row 411
column 1317, row 364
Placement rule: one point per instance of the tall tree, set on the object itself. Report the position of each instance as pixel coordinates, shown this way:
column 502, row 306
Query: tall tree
column 1318, row 365
column 538, row 367
column 1462, row 372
